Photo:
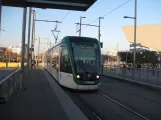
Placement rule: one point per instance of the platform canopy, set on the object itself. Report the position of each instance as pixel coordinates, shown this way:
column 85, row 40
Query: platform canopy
column 147, row 35
column 79, row 5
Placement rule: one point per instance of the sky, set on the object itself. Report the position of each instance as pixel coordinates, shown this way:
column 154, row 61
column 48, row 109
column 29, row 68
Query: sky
column 148, row 12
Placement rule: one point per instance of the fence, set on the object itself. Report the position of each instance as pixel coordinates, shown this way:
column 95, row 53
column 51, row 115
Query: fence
column 152, row 76
column 9, row 85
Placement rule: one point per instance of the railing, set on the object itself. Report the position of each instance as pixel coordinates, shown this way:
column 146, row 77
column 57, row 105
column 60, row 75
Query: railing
column 9, row 85
column 152, row 76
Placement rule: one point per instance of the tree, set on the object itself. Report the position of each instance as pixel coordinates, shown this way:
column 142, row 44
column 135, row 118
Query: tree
column 126, row 56
column 144, row 56
column 2, row 51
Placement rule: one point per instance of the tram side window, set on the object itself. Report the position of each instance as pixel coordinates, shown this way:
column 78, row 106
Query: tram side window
column 65, row 62
column 55, row 58
column 48, row 59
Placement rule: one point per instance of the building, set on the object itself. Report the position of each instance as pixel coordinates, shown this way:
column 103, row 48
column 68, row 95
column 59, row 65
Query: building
column 17, row 49
column 139, row 48
column 110, row 57
column 147, row 35
column 112, row 53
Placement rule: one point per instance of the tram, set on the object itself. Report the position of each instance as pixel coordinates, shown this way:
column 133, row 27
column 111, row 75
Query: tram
column 75, row 62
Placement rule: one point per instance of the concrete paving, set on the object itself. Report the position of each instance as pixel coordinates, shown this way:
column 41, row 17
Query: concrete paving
column 37, row 101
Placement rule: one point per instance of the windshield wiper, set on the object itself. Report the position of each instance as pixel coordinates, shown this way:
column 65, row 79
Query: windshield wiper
column 83, row 69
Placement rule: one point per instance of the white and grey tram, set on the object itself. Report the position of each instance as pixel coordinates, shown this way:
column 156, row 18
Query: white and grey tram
column 75, row 62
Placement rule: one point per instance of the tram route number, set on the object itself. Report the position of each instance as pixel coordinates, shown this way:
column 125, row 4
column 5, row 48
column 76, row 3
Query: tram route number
column 89, row 82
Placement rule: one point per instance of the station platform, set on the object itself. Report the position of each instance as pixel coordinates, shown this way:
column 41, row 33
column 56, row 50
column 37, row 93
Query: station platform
column 41, row 99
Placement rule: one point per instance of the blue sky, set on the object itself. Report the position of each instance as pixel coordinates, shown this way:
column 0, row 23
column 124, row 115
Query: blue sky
column 148, row 12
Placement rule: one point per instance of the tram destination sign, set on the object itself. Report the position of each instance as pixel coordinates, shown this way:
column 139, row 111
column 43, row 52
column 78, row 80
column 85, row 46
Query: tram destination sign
column 79, row 5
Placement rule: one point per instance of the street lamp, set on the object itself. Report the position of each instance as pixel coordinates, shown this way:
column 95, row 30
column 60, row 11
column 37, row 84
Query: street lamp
column 80, row 25
column 99, row 30
column 135, row 18
column 126, row 56
column 33, row 33
column 0, row 13
column 28, row 47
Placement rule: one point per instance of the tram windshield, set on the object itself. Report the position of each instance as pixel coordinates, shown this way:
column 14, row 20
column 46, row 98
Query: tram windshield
column 86, row 56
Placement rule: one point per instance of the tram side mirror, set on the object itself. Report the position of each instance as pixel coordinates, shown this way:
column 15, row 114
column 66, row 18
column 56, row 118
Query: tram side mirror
column 101, row 44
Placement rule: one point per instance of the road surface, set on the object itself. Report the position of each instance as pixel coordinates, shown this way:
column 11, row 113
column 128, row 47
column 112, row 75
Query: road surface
column 118, row 100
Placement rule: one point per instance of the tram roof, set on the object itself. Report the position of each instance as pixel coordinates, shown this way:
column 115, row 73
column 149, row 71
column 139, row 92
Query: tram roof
column 79, row 5
column 70, row 37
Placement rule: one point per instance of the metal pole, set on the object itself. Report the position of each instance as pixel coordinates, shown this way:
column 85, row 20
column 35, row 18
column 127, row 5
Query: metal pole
column 47, row 44
column 80, row 26
column 32, row 36
column 28, row 47
column 135, row 18
column 0, row 14
column 99, row 28
column 117, row 47
column 117, row 53
column 23, row 47
column 38, row 49
column 126, row 57
column 33, row 33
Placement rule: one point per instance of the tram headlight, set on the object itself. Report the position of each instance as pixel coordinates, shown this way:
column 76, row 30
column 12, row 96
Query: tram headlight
column 97, row 76
column 78, row 76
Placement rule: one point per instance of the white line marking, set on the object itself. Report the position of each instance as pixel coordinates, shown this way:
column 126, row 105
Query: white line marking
column 90, row 110
column 124, row 106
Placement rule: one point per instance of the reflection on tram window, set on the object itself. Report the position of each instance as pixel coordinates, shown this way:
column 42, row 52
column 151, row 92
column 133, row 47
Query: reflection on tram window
column 65, row 61
column 86, row 56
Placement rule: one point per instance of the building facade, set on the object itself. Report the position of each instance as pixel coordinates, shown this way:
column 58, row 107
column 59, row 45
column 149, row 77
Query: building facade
column 148, row 36
column 17, row 49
